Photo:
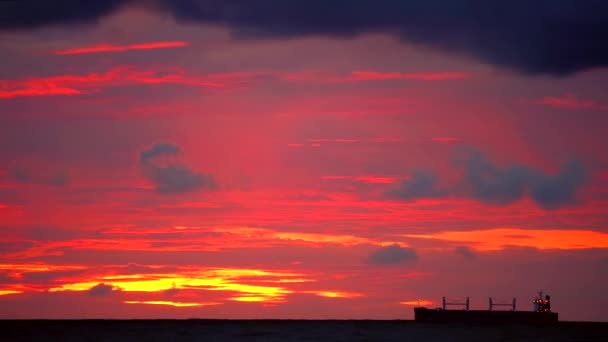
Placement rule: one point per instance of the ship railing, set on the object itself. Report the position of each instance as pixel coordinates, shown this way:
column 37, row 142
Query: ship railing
column 493, row 304
column 456, row 303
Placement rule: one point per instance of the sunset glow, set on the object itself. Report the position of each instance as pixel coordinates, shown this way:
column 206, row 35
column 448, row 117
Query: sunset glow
column 495, row 239
column 176, row 304
column 316, row 160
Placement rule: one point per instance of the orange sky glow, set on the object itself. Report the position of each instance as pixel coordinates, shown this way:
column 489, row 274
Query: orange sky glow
column 212, row 170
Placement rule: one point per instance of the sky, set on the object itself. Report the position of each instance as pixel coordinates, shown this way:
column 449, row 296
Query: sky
column 318, row 159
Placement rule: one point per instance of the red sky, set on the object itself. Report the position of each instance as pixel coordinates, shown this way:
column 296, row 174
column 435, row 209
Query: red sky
column 156, row 168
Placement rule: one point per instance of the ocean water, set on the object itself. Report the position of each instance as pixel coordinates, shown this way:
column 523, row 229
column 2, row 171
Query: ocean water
column 290, row 330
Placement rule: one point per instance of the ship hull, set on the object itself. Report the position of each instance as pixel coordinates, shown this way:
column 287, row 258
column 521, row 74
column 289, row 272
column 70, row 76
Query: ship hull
column 484, row 316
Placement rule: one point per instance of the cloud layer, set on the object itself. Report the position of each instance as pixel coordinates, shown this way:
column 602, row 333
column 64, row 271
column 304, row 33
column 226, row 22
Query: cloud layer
column 499, row 185
column 550, row 37
column 504, row 185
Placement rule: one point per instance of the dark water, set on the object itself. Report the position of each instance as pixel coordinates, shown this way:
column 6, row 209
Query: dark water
column 290, row 330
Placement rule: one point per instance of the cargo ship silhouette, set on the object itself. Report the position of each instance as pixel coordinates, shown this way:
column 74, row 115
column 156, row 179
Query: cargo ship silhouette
column 541, row 313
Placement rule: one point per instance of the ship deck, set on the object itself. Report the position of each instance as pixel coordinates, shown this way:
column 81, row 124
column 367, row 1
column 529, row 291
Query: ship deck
column 483, row 316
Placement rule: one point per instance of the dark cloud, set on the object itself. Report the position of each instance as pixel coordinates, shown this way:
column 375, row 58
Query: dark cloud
column 554, row 191
column 26, row 176
column 492, row 184
column 465, row 252
column 498, row 185
column 393, row 254
column 20, row 175
column 504, row 185
column 160, row 149
column 101, row 290
column 35, row 233
column 421, row 185
column 14, row 246
column 49, row 277
column 173, row 290
column 544, row 36
column 25, row 14
column 171, row 177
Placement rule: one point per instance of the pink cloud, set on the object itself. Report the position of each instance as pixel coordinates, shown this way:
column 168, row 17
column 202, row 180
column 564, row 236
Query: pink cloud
column 368, row 75
column 357, row 76
column 118, row 76
column 446, row 139
column 570, row 101
column 365, row 179
column 121, row 48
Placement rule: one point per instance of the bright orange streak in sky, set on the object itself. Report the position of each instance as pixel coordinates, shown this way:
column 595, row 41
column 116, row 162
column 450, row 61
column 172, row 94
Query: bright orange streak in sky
column 496, row 239
column 169, row 303
column 256, row 299
column 122, row 48
column 336, row 294
column 9, row 292
column 417, row 303
column 347, row 240
column 39, row 267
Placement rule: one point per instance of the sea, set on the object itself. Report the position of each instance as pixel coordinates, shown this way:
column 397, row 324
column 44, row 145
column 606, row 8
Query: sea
column 292, row 330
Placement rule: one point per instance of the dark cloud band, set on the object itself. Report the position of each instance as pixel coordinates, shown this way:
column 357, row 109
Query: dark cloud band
column 557, row 37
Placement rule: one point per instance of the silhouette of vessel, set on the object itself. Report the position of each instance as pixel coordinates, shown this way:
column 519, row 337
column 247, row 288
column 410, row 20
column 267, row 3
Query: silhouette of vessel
column 541, row 313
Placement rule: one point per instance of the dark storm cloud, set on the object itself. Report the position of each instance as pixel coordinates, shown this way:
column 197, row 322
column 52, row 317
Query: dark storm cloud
column 504, row 185
column 21, row 14
column 101, row 290
column 393, row 254
column 421, row 185
column 543, row 36
column 171, row 177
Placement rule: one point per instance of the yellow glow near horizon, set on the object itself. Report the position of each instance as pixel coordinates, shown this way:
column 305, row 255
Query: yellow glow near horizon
column 211, row 280
column 169, row 303
column 9, row 292
column 496, row 239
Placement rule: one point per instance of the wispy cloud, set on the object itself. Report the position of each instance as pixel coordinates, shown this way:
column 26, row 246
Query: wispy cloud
column 121, row 48
column 370, row 75
column 446, row 139
column 499, row 238
column 123, row 75
column 570, row 101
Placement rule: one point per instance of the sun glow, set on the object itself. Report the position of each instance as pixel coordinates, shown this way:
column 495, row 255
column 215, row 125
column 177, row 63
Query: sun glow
column 169, row 303
column 336, row 294
column 212, row 280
